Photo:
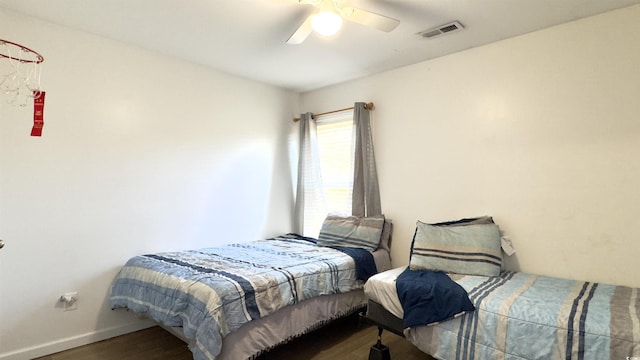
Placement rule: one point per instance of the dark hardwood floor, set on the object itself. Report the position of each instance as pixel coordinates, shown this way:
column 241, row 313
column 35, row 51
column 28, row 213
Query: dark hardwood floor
column 343, row 339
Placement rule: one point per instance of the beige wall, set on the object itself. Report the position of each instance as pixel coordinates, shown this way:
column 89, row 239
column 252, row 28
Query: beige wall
column 140, row 153
column 541, row 131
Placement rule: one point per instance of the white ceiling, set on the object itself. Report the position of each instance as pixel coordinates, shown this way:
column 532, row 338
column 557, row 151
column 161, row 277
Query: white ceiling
column 247, row 37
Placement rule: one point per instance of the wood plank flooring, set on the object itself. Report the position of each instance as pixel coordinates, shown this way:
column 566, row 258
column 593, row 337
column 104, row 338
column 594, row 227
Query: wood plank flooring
column 344, row 339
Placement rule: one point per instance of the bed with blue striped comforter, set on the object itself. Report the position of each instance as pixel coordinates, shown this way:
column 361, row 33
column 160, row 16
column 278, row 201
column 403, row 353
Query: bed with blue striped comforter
column 525, row 316
column 212, row 292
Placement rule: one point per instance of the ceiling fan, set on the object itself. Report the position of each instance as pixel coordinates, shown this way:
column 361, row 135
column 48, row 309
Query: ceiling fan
column 328, row 19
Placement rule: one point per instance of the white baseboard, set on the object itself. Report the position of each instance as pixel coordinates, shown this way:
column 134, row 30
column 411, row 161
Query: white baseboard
column 74, row 341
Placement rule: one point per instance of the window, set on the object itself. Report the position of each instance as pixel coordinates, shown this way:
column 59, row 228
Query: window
column 336, row 151
column 325, row 175
column 334, row 135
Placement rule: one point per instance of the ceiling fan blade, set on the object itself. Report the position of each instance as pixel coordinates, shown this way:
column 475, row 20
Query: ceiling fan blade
column 368, row 18
column 302, row 33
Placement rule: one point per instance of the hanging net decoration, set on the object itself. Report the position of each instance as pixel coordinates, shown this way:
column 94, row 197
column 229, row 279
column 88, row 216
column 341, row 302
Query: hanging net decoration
column 19, row 73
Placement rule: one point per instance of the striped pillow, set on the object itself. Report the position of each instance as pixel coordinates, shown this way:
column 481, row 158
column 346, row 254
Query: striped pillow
column 471, row 249
column 351, row 231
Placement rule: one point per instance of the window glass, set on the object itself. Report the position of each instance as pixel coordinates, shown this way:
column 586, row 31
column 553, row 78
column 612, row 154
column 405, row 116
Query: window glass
column 336, row 149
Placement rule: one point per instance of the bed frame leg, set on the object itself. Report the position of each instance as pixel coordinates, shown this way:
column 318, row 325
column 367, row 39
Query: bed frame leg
column 379, row 351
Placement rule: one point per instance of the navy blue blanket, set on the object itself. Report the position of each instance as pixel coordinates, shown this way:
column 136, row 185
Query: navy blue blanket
column 429, row 297
column 365, row 264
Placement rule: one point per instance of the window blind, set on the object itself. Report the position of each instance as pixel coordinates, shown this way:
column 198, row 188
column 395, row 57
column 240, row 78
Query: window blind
column 336, row 151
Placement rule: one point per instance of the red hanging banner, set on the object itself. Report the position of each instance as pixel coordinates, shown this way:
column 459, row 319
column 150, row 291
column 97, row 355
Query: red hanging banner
column 38, row 114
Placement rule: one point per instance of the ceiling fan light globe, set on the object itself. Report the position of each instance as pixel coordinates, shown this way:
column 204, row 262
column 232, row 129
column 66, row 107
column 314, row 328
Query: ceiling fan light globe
column 326, row 23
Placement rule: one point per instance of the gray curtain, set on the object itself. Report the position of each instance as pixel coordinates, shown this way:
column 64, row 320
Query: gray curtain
column 310, row 205
column 366, row 193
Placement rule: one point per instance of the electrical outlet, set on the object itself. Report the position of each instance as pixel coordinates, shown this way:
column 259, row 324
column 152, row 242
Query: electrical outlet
column 69, row 301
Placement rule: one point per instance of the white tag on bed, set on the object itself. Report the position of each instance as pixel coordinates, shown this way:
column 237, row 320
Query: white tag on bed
column 507, row 246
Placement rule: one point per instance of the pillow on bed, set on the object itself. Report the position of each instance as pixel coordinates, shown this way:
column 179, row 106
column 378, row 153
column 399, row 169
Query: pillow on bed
column 460, row 222
column 471, row 249
column 351, row 231
column 467, row 221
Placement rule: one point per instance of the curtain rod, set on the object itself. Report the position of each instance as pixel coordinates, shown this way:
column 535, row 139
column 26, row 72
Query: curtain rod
column 367, row 106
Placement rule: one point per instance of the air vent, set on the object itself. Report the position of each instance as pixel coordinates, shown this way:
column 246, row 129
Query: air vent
column 441, row 30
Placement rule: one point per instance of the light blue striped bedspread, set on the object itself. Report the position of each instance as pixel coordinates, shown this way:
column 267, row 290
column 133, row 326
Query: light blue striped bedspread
column 212, row 292
column 525, row 316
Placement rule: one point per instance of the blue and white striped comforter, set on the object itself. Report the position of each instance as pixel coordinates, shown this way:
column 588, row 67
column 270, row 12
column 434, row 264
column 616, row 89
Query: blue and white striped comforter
column 212, row 292
column 525, row 316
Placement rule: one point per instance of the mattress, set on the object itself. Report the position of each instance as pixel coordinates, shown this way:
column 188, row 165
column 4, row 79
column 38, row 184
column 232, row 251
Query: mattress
column 527, row 316
column 381, row 288
column 212, row 293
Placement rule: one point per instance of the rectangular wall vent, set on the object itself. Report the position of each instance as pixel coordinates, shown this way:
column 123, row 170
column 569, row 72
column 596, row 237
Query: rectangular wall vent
column 441, row 30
